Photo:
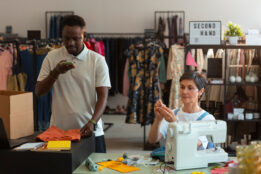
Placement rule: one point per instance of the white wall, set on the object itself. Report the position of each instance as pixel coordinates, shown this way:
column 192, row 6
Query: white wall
column 126, row 15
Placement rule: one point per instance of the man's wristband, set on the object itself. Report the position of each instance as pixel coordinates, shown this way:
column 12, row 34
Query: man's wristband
column 94, row 123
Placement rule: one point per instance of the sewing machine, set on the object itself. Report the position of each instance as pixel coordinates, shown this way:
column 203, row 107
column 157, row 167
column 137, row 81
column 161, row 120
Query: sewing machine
column 181, row 143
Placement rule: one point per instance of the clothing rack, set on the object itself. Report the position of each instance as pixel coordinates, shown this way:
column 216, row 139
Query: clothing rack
column 168, row 14
column 144, row 37
column 115, row 34
column 35, row 44
column 47, row 13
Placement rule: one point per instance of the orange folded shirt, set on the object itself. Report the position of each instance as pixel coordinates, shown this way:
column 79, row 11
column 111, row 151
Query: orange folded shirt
column 55, row 134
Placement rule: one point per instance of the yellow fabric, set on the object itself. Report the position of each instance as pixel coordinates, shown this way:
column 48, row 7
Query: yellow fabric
column 12, row 84
column 21, row 77
column 118, row 166
column 100, row 168
column 120, row 159
column 17, row 82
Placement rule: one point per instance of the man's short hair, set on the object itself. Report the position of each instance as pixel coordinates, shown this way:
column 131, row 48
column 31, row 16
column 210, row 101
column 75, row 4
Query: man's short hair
column 73, row 20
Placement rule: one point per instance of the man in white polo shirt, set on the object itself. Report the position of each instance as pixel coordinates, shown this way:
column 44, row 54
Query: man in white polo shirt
column 80, row 81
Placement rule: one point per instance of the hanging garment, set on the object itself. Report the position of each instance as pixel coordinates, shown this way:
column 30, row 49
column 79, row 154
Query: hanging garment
column 21, row 78
column 101, row 48
column 126, row 81
column 6, row 64
column 52, row 27
column 175, row 69
column 144, row 91
column 45, row 101
column 114, row 49
column 199, row 57
column 161, row 30
column 166, row 33
column 17, row 80
column 174, row 30
column 58, row 26
column 180, row 26
column 88, row 45
column 12, row 83
column 190, row 61
column 162, row 70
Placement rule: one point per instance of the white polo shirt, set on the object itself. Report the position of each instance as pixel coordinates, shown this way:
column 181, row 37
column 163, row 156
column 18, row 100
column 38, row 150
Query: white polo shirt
column 74, row 92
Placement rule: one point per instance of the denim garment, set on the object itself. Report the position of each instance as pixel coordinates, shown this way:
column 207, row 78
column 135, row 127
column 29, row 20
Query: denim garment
column 44, row 102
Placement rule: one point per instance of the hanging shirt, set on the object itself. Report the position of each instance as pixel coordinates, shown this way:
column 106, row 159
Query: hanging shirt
column 175, row 69
column 6, row 64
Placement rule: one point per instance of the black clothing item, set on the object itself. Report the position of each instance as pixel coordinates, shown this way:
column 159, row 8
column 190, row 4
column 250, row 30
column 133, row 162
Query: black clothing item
column 174, row 30
column 100, row 146
column 161, row 28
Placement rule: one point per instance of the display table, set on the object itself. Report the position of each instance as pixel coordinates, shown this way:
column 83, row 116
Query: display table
column 43, row 162
column 98, row 157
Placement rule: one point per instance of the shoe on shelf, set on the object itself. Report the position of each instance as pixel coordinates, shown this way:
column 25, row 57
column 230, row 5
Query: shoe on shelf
column 123, row 110
column 118, row 109
column 109, row 110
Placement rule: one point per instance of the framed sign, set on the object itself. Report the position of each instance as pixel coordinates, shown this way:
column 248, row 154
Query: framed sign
column 205, row 32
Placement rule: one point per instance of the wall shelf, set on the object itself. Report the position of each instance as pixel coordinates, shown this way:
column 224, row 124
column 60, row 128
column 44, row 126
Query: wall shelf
column 234, row 125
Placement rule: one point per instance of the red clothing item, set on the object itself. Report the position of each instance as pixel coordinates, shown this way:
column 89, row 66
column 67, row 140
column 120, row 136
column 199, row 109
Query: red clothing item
column 55, row 134
column 96, row 46
column 100, row 46
column 89, row 45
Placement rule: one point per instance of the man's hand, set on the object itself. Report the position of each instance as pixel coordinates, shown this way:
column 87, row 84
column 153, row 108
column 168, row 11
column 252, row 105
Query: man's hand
column 87, row 130
column 62, row 68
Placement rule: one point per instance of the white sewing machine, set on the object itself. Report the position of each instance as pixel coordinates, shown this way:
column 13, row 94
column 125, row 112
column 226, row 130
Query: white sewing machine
column 181, row 143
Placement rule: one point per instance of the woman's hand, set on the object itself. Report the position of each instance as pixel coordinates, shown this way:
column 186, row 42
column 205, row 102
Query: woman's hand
column 167, row 114
column 157, row 106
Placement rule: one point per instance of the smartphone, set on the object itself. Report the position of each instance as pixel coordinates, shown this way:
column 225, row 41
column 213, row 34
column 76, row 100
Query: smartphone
column 68, row 63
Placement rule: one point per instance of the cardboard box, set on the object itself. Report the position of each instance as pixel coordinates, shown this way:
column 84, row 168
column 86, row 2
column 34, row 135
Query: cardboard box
column 16, row 110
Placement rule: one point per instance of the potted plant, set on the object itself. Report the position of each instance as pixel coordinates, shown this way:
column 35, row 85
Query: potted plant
column 232, row 32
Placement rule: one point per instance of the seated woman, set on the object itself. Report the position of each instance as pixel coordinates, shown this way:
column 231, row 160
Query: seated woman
column 192, row 86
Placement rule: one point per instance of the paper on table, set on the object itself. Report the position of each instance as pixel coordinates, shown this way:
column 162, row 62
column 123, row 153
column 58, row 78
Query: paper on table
column 30, row 146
